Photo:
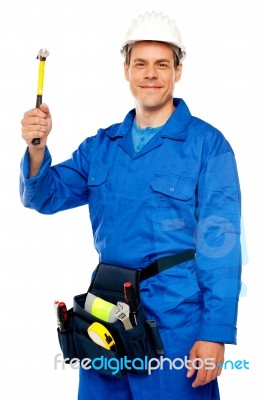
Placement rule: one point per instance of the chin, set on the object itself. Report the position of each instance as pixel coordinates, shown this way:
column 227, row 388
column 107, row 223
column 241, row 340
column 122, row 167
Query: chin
column 151, row 104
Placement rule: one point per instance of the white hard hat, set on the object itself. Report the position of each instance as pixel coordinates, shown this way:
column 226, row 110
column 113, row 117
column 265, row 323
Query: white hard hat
column 156, row 27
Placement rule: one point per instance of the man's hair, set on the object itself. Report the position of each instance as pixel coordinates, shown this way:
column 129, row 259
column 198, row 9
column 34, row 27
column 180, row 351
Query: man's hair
column 128, row 56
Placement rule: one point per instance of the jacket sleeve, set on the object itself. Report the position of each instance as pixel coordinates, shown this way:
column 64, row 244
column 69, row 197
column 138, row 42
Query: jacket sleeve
column 59, row 187
column 218, row 252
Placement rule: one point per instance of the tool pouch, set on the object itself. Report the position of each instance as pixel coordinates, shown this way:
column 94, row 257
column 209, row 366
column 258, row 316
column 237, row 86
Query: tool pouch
column 136, row 346
column 133, row 348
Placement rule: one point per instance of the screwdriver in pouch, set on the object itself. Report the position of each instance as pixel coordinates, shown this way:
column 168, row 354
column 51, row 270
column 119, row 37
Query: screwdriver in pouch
column 130, row 299
column 61, row 314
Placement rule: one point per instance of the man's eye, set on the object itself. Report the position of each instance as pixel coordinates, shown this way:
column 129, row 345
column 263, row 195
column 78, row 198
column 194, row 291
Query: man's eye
column 162, row 65
column 140, row 65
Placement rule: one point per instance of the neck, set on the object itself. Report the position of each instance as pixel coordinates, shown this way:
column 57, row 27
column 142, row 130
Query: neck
column 153, row 117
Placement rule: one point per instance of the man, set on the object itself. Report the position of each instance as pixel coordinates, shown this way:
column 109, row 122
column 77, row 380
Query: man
column 157, row 184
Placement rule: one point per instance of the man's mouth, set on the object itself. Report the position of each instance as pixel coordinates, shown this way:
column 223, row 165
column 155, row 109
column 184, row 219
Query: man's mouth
column 153, row 87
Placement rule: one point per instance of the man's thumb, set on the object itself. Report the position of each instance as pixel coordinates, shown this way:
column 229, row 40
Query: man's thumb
column 45, row 109
column 190, row 367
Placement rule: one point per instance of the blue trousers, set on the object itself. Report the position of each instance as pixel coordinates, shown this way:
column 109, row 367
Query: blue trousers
column 158, row 385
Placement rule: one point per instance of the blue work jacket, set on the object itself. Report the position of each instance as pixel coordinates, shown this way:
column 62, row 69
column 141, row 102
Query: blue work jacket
column 179, row 192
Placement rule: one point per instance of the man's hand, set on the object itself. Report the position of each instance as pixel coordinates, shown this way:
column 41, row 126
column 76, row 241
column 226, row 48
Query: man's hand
column 36, row 123
column 204, row 350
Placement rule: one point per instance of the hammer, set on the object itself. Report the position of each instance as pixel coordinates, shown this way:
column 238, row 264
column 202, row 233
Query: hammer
column 42, row 55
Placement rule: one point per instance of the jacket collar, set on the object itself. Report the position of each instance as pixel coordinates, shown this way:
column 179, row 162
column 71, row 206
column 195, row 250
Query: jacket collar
column 175, row 127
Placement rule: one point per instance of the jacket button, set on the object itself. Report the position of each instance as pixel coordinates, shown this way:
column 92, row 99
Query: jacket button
column 172, row 189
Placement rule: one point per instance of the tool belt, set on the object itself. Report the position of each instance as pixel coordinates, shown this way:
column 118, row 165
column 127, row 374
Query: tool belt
column 133, row 348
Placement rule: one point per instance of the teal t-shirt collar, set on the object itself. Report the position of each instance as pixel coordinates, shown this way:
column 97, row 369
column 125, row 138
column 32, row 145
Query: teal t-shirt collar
column 141, row 136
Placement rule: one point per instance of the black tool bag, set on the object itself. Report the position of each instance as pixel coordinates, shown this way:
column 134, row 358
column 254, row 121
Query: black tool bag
column 134, row 348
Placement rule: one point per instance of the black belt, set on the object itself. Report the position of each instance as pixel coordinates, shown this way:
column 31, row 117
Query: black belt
column 111, row 278
column 164, row 263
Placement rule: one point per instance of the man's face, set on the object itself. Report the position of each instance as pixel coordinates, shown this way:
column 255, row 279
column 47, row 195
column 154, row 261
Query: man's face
column 152, row 75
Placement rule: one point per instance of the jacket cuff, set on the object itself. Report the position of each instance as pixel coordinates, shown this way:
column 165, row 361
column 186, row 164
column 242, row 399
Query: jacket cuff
column 25, row 168
column 29, row 186
column 217, row 333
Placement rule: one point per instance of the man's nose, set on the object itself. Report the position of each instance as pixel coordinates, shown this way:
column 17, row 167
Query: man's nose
column 151, row 72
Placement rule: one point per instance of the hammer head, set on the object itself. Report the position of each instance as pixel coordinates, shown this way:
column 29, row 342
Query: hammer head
column 43, row 54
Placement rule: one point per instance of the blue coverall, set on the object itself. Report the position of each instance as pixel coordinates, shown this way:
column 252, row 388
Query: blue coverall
column 181, row 191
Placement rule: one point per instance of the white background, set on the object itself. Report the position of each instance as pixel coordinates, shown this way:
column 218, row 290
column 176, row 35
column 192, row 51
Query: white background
column 48, row 257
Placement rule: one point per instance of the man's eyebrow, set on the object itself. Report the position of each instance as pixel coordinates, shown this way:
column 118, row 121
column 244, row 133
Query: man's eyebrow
column 139, row 59
column 159, row 60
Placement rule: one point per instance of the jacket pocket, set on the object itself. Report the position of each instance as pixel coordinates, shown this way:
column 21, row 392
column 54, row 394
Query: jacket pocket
column 96, row 183
column 172, row 190
column 98, row 174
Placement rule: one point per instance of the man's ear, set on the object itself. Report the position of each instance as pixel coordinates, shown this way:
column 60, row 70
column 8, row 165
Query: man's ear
column 178, row 72
column 126, row 71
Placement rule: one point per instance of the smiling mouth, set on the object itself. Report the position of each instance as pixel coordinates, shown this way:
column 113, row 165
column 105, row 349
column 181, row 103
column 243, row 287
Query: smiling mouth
column 150, row 87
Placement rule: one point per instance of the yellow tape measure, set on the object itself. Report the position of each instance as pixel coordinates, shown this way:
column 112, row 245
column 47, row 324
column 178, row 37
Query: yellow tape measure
column 100, row 335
